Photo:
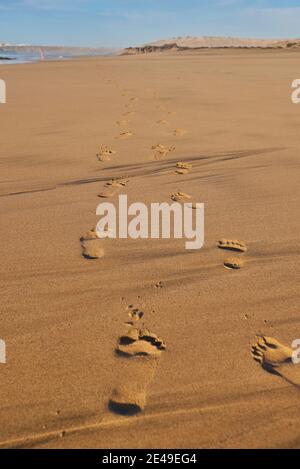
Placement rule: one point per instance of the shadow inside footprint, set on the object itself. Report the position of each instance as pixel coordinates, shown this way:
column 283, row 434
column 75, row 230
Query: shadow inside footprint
column 270, row 369
column 124, row 353
column 92, row 249
column 127, row 400
column 139, row 342
column 143, row 348
column 124, row 340
column 123, row 409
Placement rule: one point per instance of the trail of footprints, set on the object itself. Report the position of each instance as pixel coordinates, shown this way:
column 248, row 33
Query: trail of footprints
column 92, row 243
column 175, row 132
column 91, row 247
column 138, row 345
column 142, row 349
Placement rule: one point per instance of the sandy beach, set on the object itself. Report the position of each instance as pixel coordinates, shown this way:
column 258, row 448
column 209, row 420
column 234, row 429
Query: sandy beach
column 229, row 115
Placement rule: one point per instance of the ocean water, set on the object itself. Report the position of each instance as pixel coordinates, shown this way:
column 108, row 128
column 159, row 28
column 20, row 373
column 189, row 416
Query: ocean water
column 17, row 57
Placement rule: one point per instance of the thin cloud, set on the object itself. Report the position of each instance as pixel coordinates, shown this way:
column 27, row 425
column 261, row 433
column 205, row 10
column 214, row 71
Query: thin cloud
column 121, row 15
column 284, row 13
column 52, row 5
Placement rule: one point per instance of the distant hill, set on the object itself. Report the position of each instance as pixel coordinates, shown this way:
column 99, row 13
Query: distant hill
column 192, row 43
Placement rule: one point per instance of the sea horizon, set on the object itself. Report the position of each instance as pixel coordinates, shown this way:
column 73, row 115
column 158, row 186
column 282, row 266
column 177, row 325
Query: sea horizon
column 18, row 57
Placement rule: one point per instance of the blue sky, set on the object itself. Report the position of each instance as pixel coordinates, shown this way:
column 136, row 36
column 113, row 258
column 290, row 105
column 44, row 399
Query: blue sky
column 130, row 22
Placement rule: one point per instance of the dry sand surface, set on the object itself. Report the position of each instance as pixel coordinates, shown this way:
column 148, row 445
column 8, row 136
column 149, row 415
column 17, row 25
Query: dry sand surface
column 67, row 130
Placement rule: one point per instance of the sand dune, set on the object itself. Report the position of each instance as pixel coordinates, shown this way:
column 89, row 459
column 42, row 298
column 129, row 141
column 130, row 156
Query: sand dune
column 68, row 297
column 214, row 41
column 198, row 43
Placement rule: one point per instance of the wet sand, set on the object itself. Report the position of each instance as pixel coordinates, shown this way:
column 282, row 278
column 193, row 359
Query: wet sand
column 229, row 115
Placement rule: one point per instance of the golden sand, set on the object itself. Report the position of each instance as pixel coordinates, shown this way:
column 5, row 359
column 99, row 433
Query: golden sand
column 62, row 314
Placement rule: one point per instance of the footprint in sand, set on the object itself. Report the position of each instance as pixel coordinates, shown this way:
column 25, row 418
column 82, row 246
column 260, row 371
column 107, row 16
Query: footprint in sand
column 233, row 263
column 163, row 122
column 92, row 248
column 128, row 113
column 180, row 197
column 105, row 153
column 184, row 198
column 126, row 134
column 270, row 353
column 179, row 132
column 161, row 150
column 182, row 171
column 92, row 244
column 183, row 168
column 130, row 398
column 140, row 342
column 107, row 193
column 117, row 182
column 142, row 348
column 232, row 245
column 112, row 187
column 89, row 235
column 122, row 122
